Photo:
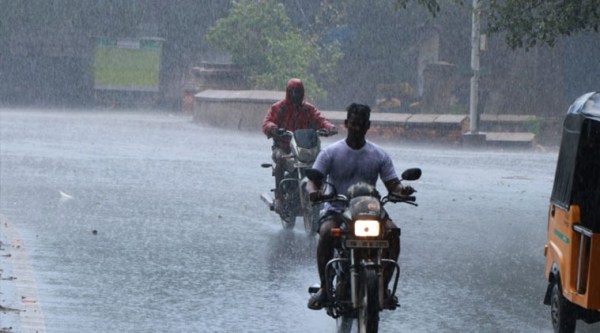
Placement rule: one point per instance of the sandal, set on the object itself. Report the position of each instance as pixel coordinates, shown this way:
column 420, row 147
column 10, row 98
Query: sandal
column 390, row 302
column 317, row 301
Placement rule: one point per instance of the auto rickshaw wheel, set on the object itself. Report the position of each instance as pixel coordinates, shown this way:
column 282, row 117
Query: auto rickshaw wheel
column 562, row 312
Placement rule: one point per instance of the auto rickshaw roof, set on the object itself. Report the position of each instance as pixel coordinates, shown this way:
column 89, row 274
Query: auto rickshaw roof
column 584, row 112
column 586, row 106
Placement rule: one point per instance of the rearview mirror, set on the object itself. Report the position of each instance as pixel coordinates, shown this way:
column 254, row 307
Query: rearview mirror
column 411, row 174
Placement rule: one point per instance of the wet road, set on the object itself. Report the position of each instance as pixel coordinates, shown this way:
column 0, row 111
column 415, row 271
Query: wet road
column 184, row 244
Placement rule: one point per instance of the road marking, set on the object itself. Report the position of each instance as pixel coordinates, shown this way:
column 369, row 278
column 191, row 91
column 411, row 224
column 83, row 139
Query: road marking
column 30, row 314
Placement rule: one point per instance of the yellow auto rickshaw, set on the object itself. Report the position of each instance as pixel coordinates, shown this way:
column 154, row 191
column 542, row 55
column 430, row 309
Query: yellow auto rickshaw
column 572, row 248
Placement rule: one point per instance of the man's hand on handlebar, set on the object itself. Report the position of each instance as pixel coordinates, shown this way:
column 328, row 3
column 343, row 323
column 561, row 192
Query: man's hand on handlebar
column 274, row 131
column 328, row 131
column 407, row 190
column 403, row 191
column 315, row 196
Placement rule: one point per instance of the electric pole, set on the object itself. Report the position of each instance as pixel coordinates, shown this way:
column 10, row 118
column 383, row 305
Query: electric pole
column 475, row 41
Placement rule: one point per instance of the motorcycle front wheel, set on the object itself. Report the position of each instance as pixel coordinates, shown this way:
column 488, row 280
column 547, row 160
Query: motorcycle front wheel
column 311, row 219
column 287, row 221
column 368, row 312
column 288, row 215
column 344, row 324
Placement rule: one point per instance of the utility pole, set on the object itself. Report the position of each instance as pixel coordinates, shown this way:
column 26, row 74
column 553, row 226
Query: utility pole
column 474, row 100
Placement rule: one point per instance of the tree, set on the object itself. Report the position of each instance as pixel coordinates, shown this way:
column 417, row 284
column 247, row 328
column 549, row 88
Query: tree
column 532, row 22
column 432, row 5
column 262, row 40
column 381, row 43
column 528, row 23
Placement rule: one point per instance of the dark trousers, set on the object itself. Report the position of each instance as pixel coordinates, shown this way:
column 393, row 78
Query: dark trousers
column 279, row 162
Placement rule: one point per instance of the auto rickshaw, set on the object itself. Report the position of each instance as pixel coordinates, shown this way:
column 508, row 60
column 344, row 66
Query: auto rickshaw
column 572, row 248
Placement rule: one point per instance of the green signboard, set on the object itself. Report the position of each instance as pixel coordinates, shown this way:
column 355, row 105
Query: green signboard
column 130, row 64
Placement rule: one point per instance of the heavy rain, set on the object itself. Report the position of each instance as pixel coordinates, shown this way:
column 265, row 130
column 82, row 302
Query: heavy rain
column 131, row 151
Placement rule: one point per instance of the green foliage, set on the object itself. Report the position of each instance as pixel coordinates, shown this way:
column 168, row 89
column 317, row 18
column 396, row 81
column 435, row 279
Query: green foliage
column 432, row 5
column 261, row 39
column 534, row 125
column 528, row 23
column 532, row 22
column 287, row 57
column 457, row 109
column 331, row 13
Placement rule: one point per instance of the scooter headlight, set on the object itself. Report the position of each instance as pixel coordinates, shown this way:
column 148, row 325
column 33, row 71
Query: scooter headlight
column 366, row 228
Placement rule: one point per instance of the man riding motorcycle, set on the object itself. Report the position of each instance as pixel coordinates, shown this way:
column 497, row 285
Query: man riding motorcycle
column 345, row 163
column 291, row 113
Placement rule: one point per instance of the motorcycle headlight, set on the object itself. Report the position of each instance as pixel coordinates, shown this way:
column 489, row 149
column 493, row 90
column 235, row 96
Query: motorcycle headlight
column 366, row 228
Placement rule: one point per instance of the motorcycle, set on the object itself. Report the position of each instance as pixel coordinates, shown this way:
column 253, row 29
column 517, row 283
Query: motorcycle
column 305, row 145
column 356, row 287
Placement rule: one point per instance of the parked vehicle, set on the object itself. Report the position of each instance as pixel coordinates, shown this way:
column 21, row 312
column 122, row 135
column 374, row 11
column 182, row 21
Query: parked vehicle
column 356, row 289
column 305, row 145
column 572, row 249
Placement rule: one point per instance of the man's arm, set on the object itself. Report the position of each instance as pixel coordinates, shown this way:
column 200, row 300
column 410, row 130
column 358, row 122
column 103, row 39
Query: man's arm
column 314, row 184
column 395, row 186
column 314, row 190
column 320, row 121
column 269, row 126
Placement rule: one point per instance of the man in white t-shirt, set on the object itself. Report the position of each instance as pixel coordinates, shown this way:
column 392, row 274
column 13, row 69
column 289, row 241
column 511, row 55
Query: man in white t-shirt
column 345, row 163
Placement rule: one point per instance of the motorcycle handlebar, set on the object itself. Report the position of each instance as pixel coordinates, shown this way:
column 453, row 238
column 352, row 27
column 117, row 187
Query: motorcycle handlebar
column 284, row 132
column 321, row 132
column 409, row 199
column 330, row 198
column 324, row 132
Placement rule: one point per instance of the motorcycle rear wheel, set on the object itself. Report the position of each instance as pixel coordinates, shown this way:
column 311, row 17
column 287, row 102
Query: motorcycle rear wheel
column 368, row 311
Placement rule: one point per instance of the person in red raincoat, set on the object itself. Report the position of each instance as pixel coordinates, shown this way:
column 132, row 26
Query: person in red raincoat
column 291, row 113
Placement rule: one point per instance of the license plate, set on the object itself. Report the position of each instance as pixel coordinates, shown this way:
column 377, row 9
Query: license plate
column 364, row 243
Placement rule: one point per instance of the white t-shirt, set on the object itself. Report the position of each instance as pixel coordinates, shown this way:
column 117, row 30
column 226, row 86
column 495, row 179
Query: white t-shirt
column 345, row 166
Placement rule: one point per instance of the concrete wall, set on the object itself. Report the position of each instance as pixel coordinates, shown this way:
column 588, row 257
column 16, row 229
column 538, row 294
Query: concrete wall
column 245, row 110
column 237, row 109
